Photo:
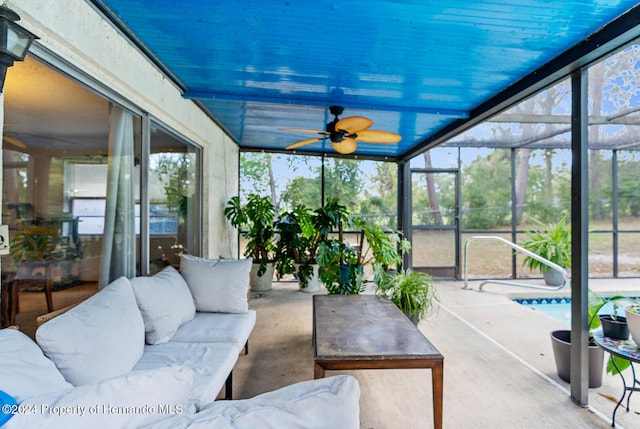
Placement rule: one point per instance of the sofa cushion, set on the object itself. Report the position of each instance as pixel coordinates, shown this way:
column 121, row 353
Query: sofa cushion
column 100, row 338
column 327, row 403
column 165, row 302
column 128, row 401
column 24, row 370
column 217, row 285
column 211, row 363
column 217, row 328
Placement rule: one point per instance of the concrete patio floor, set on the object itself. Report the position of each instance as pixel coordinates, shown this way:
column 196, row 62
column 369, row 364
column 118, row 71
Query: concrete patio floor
column 499, row 368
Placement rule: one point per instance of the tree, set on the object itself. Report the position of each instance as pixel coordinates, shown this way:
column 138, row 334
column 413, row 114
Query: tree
column 431, row 190
column 177, row 173
column 255, row 167
column 343, row 181
column 303, row 190
column 628, row 189
column 486, row 191
column 381, row 198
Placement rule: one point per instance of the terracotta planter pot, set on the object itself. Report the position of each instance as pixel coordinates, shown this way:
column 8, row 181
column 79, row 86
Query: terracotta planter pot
column 561, row 343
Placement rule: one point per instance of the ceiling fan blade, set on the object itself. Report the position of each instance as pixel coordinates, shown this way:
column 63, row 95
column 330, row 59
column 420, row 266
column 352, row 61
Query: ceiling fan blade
column 304, row 142
column 375, row 136
column 301, row 130
column 346, row 146
column 14, row 141
column 354, row 124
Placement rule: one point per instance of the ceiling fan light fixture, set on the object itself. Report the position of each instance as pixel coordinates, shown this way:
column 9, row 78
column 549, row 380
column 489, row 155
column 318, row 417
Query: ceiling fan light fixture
column 345, row 147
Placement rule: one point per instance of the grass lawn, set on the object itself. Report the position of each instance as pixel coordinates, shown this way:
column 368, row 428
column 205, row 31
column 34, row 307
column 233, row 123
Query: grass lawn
column 493, row 259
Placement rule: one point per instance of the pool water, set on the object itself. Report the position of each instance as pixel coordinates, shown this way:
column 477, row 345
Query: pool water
column 559, row 308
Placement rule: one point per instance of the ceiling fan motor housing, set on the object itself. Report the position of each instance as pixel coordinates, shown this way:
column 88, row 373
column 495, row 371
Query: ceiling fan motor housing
column 336, row 110
column 336, row 136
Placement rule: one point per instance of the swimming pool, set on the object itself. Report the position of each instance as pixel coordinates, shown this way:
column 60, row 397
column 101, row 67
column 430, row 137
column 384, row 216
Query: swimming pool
column 559, row 308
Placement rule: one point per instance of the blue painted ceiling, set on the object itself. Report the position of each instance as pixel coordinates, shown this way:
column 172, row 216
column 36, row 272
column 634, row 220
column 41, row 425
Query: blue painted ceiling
column 423, row 69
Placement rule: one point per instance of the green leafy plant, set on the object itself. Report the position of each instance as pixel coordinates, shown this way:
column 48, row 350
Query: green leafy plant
column 35, row 243
column 339, row 270
column 595, row 304
column 300, row 234
column 550, row 241
column 342, row 265
column 383, row 248
column 413, row 292
column 289, row 245
column 255, row 221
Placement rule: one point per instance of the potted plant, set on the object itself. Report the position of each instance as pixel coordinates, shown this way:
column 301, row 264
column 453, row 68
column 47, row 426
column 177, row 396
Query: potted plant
column 338, row 268
column 561, row 342
column 255, row 221
column 288, row 243
column 553, row 243
column 300, row 234
column 35, row 243
column 413, row 292
column 614, row 325
column 632, row 313
column 342, row 265
column 296, row 248
column 40, row 248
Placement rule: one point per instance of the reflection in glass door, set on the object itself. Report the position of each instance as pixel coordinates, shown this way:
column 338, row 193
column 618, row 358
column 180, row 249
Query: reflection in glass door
column 434, row 222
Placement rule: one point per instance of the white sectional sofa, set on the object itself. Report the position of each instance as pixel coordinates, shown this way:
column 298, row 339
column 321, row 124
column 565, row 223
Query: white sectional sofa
column 156, row 352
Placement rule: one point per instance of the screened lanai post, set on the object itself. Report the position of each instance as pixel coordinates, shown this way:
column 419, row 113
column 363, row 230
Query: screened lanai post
column 514, row 214
column 119, row 223
column 614, row 207
column 403, row 207
column 324, row 157
column 579, row 376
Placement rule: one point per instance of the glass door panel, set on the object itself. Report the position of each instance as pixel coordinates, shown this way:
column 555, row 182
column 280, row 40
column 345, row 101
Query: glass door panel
column 434, row 222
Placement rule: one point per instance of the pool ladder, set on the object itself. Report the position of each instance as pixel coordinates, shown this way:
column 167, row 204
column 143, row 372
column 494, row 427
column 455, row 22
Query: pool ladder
column 550, row 264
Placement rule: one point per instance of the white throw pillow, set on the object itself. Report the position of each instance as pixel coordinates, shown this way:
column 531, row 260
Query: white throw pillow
column 100, row 338
column 129, row 401
column 328, row 403
column 217, row 285
column 24, row 370
column 165, row 302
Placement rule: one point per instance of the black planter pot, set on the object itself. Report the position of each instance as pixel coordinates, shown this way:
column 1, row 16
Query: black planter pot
column 615, row 328
column 561, row 343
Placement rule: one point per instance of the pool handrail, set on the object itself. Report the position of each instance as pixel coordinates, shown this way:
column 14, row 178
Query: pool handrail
column 550, row 264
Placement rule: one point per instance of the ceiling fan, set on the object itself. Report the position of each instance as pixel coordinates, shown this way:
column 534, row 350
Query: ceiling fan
column 345, row 133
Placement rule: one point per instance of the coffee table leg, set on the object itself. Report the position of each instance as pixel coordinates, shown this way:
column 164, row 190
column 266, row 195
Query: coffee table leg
column 437, row 375
column 318, row 371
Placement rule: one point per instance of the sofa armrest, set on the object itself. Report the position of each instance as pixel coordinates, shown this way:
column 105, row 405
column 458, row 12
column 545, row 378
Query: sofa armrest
column 46, row 317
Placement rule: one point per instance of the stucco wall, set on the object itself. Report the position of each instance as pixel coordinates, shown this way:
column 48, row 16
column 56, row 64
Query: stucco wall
column 75, row 31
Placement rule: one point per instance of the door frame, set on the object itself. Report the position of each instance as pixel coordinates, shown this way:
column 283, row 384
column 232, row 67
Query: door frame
column 406, row 224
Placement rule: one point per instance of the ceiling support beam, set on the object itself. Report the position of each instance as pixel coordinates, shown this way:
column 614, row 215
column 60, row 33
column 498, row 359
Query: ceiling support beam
column 352, row 102
column 579, row 377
